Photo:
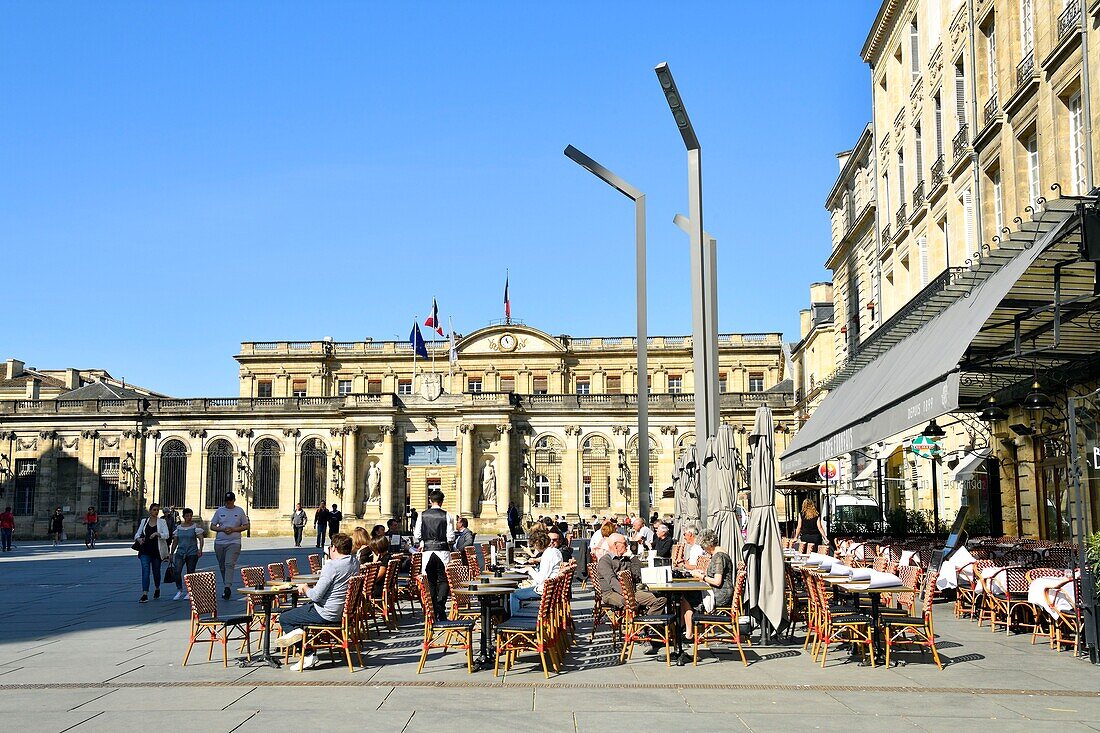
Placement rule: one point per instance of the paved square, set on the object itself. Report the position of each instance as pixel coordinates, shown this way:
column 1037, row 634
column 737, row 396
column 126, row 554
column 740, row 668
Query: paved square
column 77, row 652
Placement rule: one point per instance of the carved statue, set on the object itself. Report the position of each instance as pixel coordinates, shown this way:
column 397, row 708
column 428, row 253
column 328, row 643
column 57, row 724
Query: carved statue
column 489, row 483
column 374, row 483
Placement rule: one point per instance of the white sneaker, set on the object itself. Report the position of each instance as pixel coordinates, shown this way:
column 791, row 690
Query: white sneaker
column 290, row 639
column 186, row 596
column 310, row 661
column 179, row 595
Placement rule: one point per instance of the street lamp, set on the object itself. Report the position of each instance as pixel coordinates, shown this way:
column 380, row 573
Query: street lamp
column 704, row 313
column 640, row 286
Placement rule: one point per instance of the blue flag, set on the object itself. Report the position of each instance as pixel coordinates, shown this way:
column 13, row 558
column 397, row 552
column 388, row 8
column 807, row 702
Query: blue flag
column 417, row 341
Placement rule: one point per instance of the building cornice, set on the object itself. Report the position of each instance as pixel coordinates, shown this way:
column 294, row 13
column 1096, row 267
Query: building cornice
column 862, row 147
column 880, row 30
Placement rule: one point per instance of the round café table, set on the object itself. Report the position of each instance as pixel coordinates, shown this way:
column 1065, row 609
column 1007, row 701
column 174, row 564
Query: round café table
column 876, row 595
column 487, row 596
column 267, row 598
column 674, row 591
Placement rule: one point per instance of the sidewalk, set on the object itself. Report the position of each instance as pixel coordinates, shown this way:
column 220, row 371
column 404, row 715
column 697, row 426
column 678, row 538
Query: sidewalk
column 77, row 652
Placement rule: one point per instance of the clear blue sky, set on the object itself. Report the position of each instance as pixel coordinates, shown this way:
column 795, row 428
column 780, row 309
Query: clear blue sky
column 181, row 177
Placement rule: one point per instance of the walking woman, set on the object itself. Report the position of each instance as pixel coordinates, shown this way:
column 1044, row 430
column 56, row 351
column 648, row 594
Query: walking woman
column 151, row 543
column 810, row 529
column 186, row 549
column 57, row 526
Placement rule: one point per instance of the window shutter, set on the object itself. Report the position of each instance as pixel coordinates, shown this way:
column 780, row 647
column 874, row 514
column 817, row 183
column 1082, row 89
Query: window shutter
column 968, row 220
column 922, row 250
column 939, row 125
column 960, row 96
column 919, row 175
column 992, row 66
column 914, row 49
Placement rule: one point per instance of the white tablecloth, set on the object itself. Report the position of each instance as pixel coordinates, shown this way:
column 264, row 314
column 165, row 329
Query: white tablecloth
column 949, row 570
column 1064, row 600
column 998, row 582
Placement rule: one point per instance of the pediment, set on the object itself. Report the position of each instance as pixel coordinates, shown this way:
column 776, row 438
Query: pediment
column 509, row 339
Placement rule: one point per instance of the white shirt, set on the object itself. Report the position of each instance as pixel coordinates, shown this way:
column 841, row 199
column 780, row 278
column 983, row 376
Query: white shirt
column 692, row 553
column 227, row 518
column 548, row 567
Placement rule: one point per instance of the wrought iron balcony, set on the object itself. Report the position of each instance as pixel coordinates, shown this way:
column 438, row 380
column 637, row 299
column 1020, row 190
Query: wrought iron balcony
column 1025, row 70
column 918, row 196
column 992, row 109
column 1070, row 19
column 938, row 175
column 885, row 235
column 961, row 144
column 902, row 217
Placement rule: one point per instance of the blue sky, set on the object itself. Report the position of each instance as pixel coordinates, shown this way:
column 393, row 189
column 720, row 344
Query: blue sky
column 181, row 177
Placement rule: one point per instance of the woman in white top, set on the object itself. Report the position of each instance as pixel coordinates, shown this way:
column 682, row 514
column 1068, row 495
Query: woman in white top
column 539, row 540
column 151, row 543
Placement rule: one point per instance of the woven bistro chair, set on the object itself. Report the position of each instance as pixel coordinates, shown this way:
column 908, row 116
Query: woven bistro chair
column 292, row 567
column 1069, row 623
column 1021, row 557
column 531, row 633
column 1062, row 558
column 910, row 576
column 462, row 606
column 723, row 625
column 1043, row 622
column 470, row 557
column 600, row 612
column 1008, row 598
column 388, row 604
column 966, row 590
column 835, row 628
column 276, row 571
column 314, row 564
column 677, row 553
column 203, row 590
column 653, row 628
column 915, row 630
column 341, row 634
column 409, row 591
column 441, row 634
column 367, row 613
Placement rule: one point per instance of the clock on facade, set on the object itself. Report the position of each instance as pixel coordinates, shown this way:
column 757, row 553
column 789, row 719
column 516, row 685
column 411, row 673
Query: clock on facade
column 507, row 342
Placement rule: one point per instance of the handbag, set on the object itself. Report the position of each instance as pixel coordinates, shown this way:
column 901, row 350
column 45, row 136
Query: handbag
column 162, row 546
column 139, row 541
column 170, row 573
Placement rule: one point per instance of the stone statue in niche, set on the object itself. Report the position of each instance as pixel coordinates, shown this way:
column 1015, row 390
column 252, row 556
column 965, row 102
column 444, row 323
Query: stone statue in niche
column 374, row 482
column 489, row 482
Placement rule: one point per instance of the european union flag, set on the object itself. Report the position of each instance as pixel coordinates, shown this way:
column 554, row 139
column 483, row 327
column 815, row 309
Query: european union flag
column 417, row 341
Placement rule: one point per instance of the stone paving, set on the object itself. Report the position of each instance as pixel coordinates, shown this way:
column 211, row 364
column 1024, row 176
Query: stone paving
column 77, row 652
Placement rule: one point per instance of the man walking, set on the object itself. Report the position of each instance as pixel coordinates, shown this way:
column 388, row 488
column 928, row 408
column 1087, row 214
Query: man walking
column 320, row 523
column 513, row 519
column 298, row 523
column 228, row 522
column 7, row 528
column 334, row 519
column 435, row 533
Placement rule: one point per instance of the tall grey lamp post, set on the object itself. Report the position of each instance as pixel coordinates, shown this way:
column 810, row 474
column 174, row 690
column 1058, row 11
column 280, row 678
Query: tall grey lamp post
column 642, row 479
column 704, row 334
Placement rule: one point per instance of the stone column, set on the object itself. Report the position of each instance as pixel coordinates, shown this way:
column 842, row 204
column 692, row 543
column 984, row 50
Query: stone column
column 389, row 469
column 504, row 470
column 467, row 475
column 352, row 485
column 571, row 499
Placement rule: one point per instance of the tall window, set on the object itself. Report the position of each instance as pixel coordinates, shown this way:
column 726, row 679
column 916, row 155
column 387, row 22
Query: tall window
column 405, row 386
column 901, row 178
column 756, row 381
column 263, row 388
column 960, row 96
column 886, row 196
column 547, row 467
column 1027, row 26
column 918, row 149
column 583, row 385
column 473, row 384
column 991, row 59
column 173, row 474
column 998, row 202
column 1032, row 148
column 26, row 481
column 219, row 472
column 914, row 51
column 939, row 125
column 675, row 384
column 587, row 490
column 596, row 469
column 539, row 385
column 313, row 481
column 542, row 490
column 614, row 384
column 1076, row 145
column 967, row 203
column 721, row 382
column 265, row 475
column 343, row 387
column 298, row 388
column 108, row 486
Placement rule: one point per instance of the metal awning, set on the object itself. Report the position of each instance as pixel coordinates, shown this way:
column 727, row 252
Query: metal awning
column 950, row 349
column 968, row 466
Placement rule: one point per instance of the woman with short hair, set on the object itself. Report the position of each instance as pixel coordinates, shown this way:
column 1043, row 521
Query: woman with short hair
column 718, row 575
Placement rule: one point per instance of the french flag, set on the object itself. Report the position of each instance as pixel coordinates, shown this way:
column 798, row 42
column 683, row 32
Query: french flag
column 433, row 319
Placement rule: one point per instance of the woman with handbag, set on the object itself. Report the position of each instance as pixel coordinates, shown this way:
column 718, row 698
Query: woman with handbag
column 151, row 543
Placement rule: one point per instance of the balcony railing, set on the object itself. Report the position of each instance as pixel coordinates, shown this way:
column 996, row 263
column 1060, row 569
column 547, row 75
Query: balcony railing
column 918, row 196
column 1070, row 19
column 902, row 217
column 885, row 235
column 961, row 144
column 938, row 175
column 992, row 109
column 1025, row 70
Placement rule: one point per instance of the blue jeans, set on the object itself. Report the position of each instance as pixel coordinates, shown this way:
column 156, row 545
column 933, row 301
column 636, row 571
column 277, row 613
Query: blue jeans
column 295, row 618
column 520, row 594
column 5, row 535
column 180, row 561
column 149, row 563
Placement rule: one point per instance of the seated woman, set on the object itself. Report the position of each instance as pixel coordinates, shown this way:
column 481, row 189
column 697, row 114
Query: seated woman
column 549, row 562
column 360, row 545
column 718, row 575
column 598, row 546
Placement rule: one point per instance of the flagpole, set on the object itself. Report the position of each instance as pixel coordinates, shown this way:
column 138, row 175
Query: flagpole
column 451, row 354
column 413, row 339
column 434, row 308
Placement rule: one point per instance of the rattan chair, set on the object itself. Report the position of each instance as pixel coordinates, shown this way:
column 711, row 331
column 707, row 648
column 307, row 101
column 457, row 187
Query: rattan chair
column 1069, row 623
column 1043, row 622
column 292, row 567
column 314, row 564
column 1008, row 598
column 440, row 634
column 341, row 634
column 613, row 616
column 203, row 591
column 652, row 628
column 532, row 633
column 915, row 630
column 368, row 613
column 409, row 591
column 276, row 571
column 834, row 627
column 470, row 556
column 723, row 625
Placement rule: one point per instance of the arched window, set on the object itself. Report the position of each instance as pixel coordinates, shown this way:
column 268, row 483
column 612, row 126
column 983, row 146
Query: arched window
column 219, row 472
column 313, row 478
column 547, row 467
column 596, row 472
column 265, row 475
column 173, row 474
column 653, row 458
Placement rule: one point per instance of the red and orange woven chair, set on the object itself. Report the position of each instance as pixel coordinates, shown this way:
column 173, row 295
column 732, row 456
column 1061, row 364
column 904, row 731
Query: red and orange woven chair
column 442, row 634
column 314, row 564
column 292, row 567
column 532, row 633
column 914, row 630
column 653, row 628
column 601, row 613
column 337, row 636
column 203, row 591
column 724, row 625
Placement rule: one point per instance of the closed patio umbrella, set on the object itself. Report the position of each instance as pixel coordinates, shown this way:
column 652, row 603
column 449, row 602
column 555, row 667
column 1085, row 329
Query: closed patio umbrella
column 763, row 548
column 687, row 490
column 721, row 461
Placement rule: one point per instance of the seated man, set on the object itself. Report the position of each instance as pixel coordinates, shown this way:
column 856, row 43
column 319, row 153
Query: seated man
column 663, row 542
column 549, row 562
column 641, row 534
column 398, row 542
column 557, row 541
column 463, row 536
column 609, row 566
column 327, row 596
column 692, row 550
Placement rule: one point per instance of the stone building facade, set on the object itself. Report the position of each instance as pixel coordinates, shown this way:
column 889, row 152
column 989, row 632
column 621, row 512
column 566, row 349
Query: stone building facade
column 547, row 422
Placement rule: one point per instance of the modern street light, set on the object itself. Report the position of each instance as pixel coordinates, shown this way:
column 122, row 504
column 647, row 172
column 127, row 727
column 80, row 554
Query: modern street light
column 704, row 320
column 640, row 286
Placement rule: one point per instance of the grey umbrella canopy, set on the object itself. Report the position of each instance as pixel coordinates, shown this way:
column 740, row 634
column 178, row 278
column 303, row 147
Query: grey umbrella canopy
column 686, row 486
column 763, row 547
column 721, row 461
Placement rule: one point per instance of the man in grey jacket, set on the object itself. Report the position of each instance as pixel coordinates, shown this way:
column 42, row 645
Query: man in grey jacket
column 327, row 596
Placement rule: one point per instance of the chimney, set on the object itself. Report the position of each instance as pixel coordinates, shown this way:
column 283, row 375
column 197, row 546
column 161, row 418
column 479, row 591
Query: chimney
column 72, row 379
column 15, row 368
column 33, row 388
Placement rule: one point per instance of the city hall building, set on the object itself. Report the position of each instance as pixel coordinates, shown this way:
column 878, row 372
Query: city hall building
column 547, row 422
